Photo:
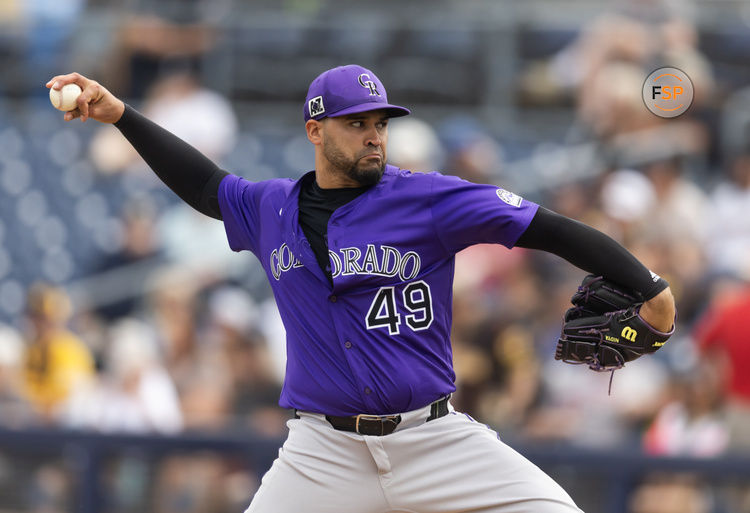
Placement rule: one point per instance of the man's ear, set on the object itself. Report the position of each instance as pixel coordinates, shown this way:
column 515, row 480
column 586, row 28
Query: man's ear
column 314, row 131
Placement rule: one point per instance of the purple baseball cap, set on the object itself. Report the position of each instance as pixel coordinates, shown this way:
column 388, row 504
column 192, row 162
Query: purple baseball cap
column 347, row 90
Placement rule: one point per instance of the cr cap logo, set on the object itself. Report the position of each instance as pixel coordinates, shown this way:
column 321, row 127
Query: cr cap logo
column 369, row 84
column 668, row 92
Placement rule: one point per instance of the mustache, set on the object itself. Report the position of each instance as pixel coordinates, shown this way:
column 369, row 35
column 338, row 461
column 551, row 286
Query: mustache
column 376, row 151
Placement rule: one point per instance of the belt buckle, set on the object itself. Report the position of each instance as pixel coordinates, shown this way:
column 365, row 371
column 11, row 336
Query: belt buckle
column 364, row 416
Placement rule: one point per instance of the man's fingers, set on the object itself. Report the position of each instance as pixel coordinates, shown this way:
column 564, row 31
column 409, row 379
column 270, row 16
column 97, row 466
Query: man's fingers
column 58, row 81
column 94, row 101
column 90, row 95
column 53, row 82
column 72, row 114
column 83, row 104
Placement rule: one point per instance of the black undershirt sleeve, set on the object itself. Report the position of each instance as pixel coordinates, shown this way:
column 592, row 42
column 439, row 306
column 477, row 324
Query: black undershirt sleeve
column 185, row 170
column 590, row 250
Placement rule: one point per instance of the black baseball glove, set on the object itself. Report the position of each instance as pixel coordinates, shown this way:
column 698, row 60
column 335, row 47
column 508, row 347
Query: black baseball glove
column 603, row 328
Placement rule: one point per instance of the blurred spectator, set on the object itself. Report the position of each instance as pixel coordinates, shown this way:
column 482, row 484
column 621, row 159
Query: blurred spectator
column 628, row 198
column 202, row 117
column 155, row 37
column 172, row 308
column 49, row 490
column 56, row 362
column 674, row 230
column 508, row 401
column 471, row 153
column 578, row 409
column 644, row 34
column 178, row 102
column 137, row 258
column 198, row 367
column 681, row 206
column 671, row 494
column 659, row 215
column 274, row 332
column 497, row 311
column 722, row 337
column 10, row 11
column 693, row 423
column 413, row 145
column 234, row 330
column 484, row 267
column 207, row 398
column 610, row 102
column 727, row 242
column 202, row 483
column 136, row 394
column 14, row 409
column 197, row 242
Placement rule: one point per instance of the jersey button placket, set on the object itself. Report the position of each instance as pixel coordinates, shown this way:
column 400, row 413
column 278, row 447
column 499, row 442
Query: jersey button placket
column 332, row 298
column 348, row 344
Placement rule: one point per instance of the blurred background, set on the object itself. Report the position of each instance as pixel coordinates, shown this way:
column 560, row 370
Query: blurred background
column 141, row 360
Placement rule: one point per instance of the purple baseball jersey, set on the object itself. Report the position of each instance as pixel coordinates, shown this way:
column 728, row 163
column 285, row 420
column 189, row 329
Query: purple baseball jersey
column 378, row 341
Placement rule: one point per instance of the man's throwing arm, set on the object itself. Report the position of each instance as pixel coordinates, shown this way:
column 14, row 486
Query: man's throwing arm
column 185, row 170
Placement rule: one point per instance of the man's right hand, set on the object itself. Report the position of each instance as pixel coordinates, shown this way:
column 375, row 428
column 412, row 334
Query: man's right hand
column 94, row 102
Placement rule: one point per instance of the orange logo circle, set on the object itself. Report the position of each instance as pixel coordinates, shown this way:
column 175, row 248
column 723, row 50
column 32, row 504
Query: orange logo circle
column 668, row 92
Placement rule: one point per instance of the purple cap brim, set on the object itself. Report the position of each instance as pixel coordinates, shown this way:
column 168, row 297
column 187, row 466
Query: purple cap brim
column 394, row 111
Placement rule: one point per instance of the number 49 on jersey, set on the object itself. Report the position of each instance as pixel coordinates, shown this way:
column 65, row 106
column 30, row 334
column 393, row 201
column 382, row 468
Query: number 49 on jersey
column 417, row 300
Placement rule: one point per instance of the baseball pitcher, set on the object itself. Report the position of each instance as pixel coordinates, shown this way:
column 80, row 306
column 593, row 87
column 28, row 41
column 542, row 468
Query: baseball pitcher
column 360, row 257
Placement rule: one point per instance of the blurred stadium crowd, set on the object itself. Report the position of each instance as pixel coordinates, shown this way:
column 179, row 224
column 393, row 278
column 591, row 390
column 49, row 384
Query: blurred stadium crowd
column 124, row 311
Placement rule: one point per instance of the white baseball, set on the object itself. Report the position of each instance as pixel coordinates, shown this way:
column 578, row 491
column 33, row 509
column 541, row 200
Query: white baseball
column 65, row 98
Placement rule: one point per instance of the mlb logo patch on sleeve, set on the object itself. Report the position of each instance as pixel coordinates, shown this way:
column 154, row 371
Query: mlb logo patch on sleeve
column 508, row 197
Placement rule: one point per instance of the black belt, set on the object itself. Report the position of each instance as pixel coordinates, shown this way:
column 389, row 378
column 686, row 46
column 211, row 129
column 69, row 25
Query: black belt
column 379, row 425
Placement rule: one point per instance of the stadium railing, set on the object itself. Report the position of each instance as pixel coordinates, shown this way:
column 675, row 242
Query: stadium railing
column 604, row 478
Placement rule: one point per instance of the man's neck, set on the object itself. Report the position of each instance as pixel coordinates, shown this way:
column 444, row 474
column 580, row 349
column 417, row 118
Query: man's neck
column 329, row 180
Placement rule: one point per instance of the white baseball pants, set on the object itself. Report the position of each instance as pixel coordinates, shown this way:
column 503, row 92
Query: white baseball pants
column 448, row 465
